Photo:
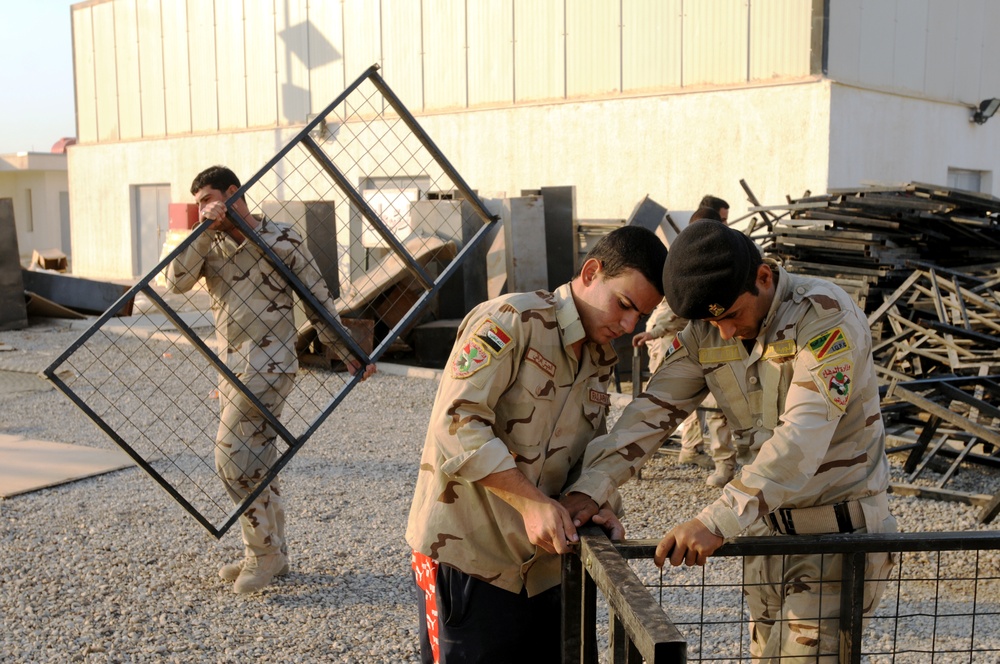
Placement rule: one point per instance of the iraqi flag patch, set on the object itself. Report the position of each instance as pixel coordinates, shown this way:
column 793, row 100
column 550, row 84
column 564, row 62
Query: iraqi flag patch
column 836, row 379
column 674, row 346
column 471, row 358
column 494, row 337
column 829, row 343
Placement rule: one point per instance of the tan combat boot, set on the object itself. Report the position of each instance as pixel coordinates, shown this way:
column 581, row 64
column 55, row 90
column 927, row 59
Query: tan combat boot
column 257, row 573
column 231, row 571
column 724, row 472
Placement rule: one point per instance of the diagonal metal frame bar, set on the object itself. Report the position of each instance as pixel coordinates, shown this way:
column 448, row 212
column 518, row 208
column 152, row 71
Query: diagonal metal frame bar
column 430, row 288
column 367, row 212
column 414, row 126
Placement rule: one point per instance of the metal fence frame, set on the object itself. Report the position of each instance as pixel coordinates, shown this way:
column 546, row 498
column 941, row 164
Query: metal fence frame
column 431, row 286
column 640, row 628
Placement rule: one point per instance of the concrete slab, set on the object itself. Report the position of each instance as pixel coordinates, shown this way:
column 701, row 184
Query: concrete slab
column 29, row 465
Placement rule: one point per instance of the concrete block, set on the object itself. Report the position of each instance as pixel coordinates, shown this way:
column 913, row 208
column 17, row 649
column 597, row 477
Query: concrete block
column 525, row 248
column 13, row 310
column 432, row 342
column 560, row 233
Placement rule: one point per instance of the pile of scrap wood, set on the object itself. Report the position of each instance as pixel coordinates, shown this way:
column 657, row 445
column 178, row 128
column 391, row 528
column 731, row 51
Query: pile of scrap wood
column 870, row 239
column 924, row 263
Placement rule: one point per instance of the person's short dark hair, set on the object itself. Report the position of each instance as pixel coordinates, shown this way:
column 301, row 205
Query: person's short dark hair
column 708, row 267
column 705, row 212
column 216, row 177
column 631, row 247
column 713, row 202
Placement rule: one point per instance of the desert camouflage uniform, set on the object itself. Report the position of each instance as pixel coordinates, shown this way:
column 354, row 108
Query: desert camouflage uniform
column 513, row 395
column 664, row 324
column 255, row 326
column 803, row 407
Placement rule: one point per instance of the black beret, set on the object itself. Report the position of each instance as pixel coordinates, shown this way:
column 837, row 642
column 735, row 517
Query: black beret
column 707, row 266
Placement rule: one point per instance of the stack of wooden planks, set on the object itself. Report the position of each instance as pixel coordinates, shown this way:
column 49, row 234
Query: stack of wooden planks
column 866, row 238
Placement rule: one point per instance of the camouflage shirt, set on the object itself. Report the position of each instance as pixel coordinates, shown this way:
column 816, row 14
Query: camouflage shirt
column 513, row 395
column 802, row 403
column 252, row 303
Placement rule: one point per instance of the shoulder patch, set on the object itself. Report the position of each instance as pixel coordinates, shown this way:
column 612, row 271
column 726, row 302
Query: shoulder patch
column 718, row 354
column 540, row 361
column 674, row 346
column 779, row 349
column 836, row 379
column 829, row 343
column 471, row 358
column 494, row 338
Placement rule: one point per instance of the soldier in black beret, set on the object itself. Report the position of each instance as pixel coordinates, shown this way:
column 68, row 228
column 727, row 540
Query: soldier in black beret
column 789, row 361
column 709, row 265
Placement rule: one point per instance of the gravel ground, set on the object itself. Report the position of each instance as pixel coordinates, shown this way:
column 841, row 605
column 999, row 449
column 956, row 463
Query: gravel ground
column 111, row 569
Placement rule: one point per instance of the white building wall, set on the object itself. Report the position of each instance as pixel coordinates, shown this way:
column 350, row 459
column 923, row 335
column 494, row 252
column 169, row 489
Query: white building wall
column 45, row 176
column 876, row 136
column 675, row 148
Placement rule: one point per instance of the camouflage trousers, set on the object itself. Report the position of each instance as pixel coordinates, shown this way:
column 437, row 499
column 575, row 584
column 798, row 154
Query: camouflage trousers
column 794, row 601
column 720, row 443
column 244, row 453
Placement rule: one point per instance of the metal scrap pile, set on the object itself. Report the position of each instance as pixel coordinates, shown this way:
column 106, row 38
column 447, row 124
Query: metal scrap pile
column 924, row 263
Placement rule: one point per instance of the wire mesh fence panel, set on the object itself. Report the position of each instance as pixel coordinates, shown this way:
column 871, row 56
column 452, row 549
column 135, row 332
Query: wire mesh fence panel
column 328, row 256
column 940, row 603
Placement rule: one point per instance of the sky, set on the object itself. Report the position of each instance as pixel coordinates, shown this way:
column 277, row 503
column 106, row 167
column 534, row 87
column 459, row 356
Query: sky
column 37, row 107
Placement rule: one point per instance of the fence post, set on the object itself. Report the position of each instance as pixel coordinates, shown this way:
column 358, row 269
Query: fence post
column 852, row 598
column 572, row 608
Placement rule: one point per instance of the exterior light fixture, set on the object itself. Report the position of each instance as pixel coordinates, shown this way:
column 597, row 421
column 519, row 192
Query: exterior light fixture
column 987, row 108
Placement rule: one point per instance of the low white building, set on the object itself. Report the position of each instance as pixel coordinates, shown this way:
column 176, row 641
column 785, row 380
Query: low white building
column 38, row 185
column 670, row 98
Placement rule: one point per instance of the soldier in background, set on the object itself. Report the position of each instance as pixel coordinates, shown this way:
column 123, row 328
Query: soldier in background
column 254, row 321
column 789, row 360
column 708, row 421
column 523, row 394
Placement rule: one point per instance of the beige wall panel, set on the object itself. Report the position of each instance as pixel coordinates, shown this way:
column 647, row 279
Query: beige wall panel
column 651, row 44
column 259, row 47
column 402, row 51
column 942, row 35
column 894, row 138
column 154, row 121
column 104, row 73
column 290, row 56
column 362, row 38
column 715, row 42
column 990, row 79
column 326, row 53
column 445, row 71
column 126, row 47
column 231, row 64
column 83, row 72
column 593, row 48
column 176, row 72
column 844, row 48
column 908, row 60
column 969, row 61
column 878, row 32
column 202, row 54
column 780, row 35
column 491, row 52
column 539, row 50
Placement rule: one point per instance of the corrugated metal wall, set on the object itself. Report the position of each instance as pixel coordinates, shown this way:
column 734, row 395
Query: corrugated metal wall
column 154, row 68
column 941, row 49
